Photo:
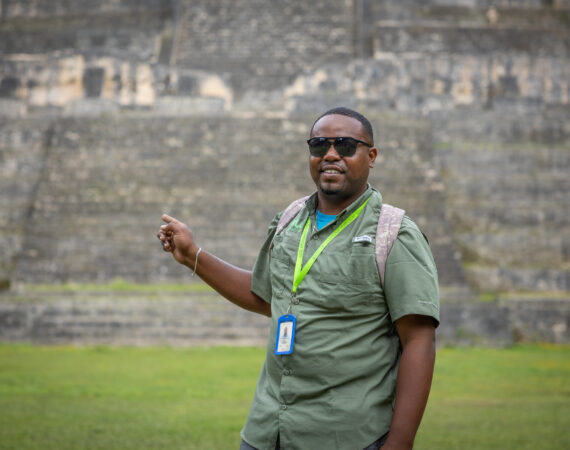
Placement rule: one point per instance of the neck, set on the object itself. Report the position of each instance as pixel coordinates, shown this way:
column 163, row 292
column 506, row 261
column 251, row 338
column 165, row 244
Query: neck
column 333, row 205
column 331, row 208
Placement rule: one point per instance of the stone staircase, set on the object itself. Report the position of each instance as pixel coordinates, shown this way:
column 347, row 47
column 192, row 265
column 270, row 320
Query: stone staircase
column 128, row 318
column 114, row 112
column 202, row 318
column 101, row 185
column 508, row 208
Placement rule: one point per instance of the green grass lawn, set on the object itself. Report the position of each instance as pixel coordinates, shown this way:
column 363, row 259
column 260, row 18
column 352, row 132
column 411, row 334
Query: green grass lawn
column 168, row 398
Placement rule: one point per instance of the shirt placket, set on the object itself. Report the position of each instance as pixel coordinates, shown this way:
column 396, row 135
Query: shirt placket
column 287, row 383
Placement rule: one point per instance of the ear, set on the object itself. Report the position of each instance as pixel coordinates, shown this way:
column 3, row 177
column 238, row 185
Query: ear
column 372, row 154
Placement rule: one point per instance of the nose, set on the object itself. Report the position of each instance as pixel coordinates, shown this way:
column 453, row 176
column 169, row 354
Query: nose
column 331, row 154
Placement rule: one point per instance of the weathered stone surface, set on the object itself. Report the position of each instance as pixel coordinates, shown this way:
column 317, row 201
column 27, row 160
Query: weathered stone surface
column 128, row 319
column 505, row 323
column 115, row 111
column 106, row 177
column 189, row 319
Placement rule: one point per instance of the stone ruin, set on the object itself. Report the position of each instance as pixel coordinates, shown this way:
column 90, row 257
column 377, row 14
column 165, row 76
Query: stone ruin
column 116, row 111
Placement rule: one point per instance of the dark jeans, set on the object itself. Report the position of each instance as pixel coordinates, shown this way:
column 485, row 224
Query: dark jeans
column 374, row 446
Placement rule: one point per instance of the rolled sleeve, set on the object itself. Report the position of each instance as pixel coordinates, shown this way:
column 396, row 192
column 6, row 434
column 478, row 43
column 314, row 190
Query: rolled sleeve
column 261, row 278
column 411, row 284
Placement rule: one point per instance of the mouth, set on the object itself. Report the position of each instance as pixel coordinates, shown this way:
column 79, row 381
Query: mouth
column 331, row 170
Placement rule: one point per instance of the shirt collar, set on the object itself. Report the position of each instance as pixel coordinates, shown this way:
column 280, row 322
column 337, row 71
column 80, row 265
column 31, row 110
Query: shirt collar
column 312, row 202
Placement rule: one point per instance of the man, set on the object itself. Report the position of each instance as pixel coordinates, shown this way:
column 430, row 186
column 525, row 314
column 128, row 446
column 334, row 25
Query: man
column 349, row 364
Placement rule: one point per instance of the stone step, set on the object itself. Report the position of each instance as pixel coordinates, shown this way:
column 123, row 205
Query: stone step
column 130, row 319
column 435, row 38
column 501, row 13
column 131, row 34
column 13, row 9
column 190, row 319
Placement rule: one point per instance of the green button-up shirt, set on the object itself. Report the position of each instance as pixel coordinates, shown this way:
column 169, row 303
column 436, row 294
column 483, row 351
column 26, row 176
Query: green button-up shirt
column 336, row 390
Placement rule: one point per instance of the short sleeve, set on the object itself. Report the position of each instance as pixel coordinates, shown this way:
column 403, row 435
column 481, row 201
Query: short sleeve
column 411, row 284
column 261, row 277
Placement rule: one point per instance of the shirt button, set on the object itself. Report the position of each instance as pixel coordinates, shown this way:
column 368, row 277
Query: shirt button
column 283, row 407
column 296, row 301
column 286, row 372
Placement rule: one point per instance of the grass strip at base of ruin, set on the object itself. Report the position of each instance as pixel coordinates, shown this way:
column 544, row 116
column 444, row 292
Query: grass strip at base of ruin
column 117, row 285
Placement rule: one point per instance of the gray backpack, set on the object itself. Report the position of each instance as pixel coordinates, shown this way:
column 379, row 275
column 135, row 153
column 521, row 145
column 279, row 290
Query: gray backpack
column 389, row 222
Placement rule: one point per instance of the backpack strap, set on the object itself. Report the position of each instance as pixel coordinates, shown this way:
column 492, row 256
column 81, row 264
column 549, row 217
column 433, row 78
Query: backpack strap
column 289, row 214
column 389, row 222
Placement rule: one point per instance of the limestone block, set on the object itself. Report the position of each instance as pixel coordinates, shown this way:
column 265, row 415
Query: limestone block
column 145, row 92
column 12, row 108
column 213, row 86
column 69, row 85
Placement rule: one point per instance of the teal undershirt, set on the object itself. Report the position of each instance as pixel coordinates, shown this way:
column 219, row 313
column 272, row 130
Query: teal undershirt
column 323, row 219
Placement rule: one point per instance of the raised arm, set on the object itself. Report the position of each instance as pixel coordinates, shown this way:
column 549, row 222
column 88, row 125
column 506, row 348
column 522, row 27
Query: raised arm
column 230, row 281
column 417, row 335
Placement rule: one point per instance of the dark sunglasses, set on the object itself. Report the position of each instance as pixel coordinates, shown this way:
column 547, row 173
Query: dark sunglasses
column 344, row 146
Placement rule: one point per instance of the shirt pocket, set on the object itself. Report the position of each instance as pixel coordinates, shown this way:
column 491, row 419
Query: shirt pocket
column 362, row 268
column 350, row 280
column 355, row 266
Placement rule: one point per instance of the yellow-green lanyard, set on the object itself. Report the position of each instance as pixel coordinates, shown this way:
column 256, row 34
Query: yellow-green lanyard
column 300, row 273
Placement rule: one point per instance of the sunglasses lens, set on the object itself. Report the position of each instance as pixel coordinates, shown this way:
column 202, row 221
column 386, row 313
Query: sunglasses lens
column 345, row 146
column 319, row 146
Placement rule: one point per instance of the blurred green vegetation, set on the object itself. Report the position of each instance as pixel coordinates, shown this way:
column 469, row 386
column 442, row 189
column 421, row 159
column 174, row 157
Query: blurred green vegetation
column 198, row 398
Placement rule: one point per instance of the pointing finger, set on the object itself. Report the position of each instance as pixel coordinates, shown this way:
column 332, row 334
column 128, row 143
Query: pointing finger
column 166, row 218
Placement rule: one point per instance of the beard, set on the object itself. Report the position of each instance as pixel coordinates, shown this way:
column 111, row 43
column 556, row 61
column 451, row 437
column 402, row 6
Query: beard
column 330, row 191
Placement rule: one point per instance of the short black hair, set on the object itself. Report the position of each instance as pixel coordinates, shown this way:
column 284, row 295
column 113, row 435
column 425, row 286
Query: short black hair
column 343, row 111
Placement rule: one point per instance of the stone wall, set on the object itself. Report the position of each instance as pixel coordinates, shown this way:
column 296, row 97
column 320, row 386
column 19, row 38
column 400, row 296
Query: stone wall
column 102, row 189
column 188, row 319
column 257, row 45
column 128, row 319
column 113, row 112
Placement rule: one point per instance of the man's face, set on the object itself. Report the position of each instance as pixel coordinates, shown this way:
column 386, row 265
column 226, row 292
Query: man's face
column 341, row 178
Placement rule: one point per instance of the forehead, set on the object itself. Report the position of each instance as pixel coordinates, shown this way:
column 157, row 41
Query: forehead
column 338, row 125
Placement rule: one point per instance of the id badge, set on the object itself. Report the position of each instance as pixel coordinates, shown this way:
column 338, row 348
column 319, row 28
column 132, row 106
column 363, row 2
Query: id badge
column 285, row 334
